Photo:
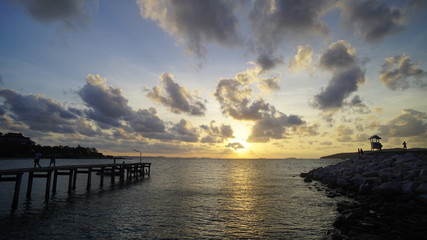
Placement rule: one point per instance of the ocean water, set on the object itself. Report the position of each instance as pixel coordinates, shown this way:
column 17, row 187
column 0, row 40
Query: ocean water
column 183, row 199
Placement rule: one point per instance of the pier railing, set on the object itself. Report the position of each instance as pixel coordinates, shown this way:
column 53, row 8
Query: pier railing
column 126, row 172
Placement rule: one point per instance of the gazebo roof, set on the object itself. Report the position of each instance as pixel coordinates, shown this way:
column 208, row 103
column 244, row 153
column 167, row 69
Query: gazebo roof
column 374, row 137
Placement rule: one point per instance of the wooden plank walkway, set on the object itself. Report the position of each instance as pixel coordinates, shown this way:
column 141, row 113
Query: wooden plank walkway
column 124, row 171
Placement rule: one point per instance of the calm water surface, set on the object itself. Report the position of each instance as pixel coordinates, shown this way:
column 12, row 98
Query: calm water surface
column 183, row 199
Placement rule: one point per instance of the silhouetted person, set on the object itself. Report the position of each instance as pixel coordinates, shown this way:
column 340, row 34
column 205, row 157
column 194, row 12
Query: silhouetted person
column 53, row 161
column 404, row 145
column 361, row 151
column 37, row 159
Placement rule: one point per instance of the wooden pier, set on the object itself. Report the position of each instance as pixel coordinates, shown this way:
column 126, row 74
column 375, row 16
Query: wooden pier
column 126, row 172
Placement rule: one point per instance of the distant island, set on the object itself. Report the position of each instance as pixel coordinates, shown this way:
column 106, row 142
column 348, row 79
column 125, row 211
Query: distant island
column 391, row 150
column 16, row 145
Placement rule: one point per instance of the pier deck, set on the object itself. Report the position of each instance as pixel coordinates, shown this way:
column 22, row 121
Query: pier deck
column 124, row 171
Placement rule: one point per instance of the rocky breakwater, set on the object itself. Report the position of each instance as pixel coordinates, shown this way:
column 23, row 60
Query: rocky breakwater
column 388, row 195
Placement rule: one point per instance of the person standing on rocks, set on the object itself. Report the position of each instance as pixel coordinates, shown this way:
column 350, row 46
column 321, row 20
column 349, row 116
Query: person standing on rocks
column 404, row 145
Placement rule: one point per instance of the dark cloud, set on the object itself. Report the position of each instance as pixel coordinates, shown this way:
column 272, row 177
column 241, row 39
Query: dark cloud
column 400, row 73
column 107, row 106
column 145, row 121
column 38, row 112
column 274, row 127
column 215, row 134
column 195, row 23
column 72, row 13
column 373, row 20
column 358, row 106
column 339, row 88
column 272, row 21
column 182, row 131
column 268, row 61
column 339, row 55
column 235, row 145
column 269, row 85
column 340, row 59
column 410, row 123
column 176, row 97
column 235, row 100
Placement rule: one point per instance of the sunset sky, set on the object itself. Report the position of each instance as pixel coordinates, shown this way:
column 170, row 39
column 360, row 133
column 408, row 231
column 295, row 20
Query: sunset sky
column 215, row 78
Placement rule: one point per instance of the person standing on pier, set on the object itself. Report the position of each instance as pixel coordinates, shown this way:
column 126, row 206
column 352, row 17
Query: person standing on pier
column 404, row 145
column 37, row 159
column 52, row 160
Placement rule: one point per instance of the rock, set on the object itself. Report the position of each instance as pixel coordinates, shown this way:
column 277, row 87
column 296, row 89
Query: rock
column 365, row 189
column 407, row 187
column 421, row 189
column 388, row 189
column 342, row 182
column 422, row 198
column 369, row 174
column 308, row 179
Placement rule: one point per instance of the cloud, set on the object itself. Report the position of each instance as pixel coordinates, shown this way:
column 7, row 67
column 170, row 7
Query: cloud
column 195, row 23
column 268, row 61
column 145, row 121
column 71, row 13
column 273, row 21
column 339, row 88
column 373, row 20
column 107, row 105
column 175, row 97
column 38, row 112
column 397, row 73
column 340, row 59
column 182, row 131
column 237, row 99
column 273, row 127
column 302, row 60
column 216, row 134
column 339, row 55
column 1, row 80
column 410, row 123
column 269, row 85
column 235, row 145
column 357, row 105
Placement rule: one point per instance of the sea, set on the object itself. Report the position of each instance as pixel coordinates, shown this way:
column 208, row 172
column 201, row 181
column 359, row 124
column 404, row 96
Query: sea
column 182, row 199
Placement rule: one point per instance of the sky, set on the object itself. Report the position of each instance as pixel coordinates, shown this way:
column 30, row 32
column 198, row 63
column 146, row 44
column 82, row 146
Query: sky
column 215, row 78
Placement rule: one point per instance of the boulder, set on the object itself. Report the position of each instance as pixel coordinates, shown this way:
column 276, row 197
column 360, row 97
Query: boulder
column 407, row 187
column 388, row 190
column 421, row 189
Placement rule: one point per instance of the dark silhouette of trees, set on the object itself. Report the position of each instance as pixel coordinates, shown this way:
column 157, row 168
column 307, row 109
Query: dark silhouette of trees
column 17, row 145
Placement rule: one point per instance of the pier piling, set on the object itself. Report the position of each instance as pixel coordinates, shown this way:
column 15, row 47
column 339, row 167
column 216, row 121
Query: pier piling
column 126, row 172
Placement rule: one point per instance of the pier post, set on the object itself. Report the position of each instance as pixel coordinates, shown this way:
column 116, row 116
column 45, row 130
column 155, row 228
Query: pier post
column 55, row 180
column 113, row 175
column 70, row 181
column 30, row 184
column 48, row 180
column 75, row 178
column 89, row 179
column 122, row 174
column 101, row 181
column 17, row 190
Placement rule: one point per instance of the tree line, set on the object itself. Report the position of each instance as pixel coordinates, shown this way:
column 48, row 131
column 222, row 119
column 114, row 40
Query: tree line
column 19, row 146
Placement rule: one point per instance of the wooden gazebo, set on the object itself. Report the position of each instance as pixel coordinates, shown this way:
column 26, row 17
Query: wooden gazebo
column 375, row 142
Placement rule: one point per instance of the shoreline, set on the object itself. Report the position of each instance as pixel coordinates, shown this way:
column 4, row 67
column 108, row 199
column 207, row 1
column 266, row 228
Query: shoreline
column 388, row 190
